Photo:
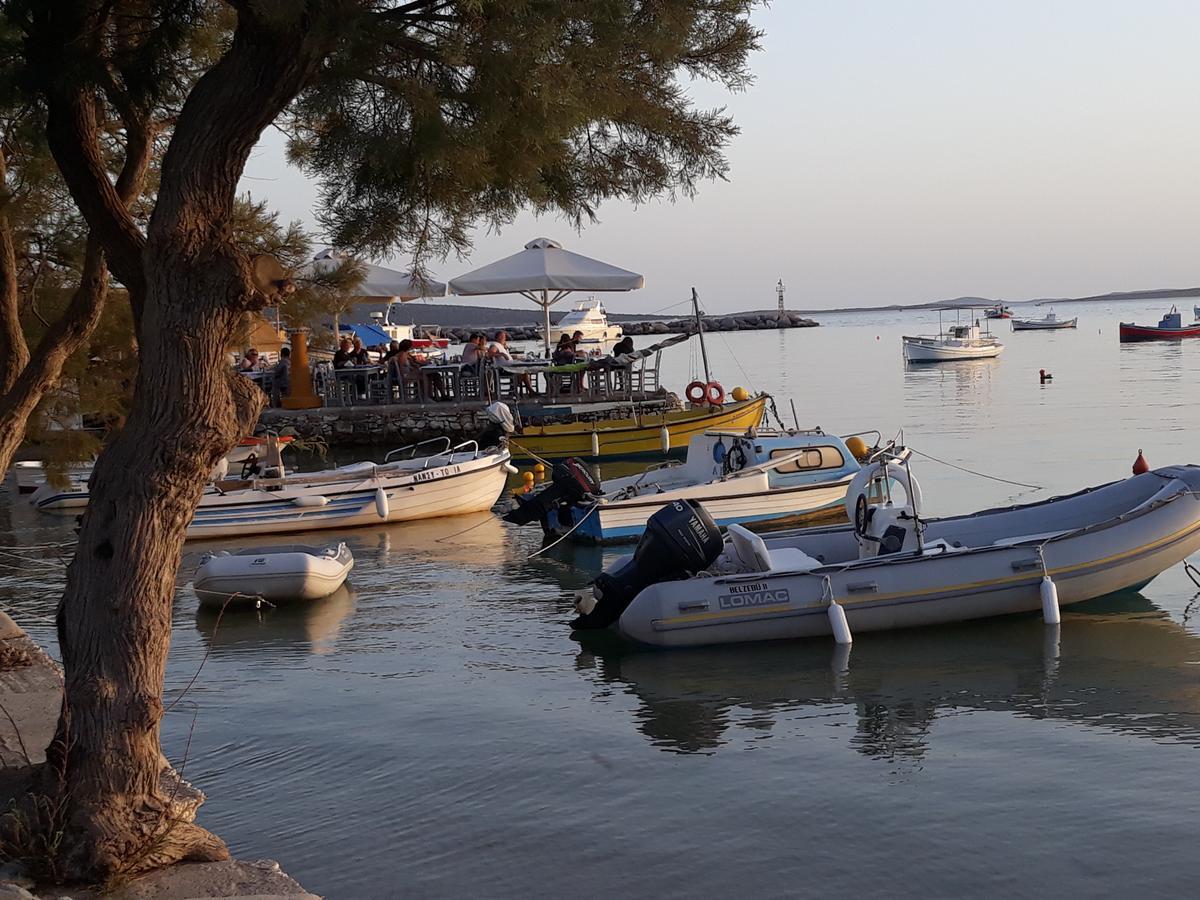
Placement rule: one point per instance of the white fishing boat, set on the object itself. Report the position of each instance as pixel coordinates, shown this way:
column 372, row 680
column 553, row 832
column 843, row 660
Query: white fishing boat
column 1049, row 322
column 765, row 479
column 455, row 481
column 953, row 342
column 32, row 477
column 891, row 568
column 590, row 318
column 275, row 574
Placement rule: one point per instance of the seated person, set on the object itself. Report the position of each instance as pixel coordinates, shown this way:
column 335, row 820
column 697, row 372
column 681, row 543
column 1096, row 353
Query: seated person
column 473, row 351
column 393, row 349
column 498, row 349
column 343, row 357
column 283, row 377
column 359, row 354
column 249, row 361
column 564, row 353
column 625, row 345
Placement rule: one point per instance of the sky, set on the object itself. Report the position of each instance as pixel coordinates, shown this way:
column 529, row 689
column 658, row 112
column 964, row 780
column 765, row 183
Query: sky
column 907, row 152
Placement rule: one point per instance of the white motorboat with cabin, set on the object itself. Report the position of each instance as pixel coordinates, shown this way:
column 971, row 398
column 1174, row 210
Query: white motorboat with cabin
column 962, row 340
column 590, row 318
column 764, row 479
column 275, row 574
column 1049, row 322
column 891, row 568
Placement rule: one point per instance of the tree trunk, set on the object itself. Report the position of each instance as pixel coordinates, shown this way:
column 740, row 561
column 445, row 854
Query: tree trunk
column 40, row 374
column 14, row 353
column 188, row 409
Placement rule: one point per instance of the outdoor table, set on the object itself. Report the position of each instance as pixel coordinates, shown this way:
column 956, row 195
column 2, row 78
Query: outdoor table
column 354, row 380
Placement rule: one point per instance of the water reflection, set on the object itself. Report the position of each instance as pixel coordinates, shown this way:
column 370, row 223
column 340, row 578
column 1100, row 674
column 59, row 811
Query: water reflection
column 303, row 627
column 1120, row 665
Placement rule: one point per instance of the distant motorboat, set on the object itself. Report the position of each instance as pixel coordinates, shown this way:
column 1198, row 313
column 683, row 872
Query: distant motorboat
column 765, row 479
column 952, row 343
column 1049, row 322
column 1170, row 327
column 275, row 574
column 891, row 568
column 590, row 318
column 999, row 311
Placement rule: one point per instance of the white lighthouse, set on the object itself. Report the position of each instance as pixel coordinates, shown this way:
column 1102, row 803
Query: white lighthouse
column 779, row 293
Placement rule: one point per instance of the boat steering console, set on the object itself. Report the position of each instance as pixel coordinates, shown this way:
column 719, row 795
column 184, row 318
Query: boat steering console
column 881, row 525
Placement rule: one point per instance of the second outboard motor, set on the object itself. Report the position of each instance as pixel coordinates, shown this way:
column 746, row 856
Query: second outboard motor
column 570, row 482
column 680, row 540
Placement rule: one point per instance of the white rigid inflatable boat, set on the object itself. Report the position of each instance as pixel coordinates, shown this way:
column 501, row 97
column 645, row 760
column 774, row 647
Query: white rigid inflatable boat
column 272, row 573
column 890, row 568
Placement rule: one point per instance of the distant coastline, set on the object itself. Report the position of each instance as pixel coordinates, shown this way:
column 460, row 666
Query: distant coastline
column 436, row 312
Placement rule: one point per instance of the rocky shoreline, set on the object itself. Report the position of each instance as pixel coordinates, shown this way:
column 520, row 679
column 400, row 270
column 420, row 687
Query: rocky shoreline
column 732, row 322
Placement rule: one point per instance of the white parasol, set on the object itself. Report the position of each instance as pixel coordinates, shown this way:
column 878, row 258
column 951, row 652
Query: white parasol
column 545, row 273
column 380, row 282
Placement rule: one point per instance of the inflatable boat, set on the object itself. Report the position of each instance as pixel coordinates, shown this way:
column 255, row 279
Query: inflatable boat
column 891, row 568
column 271, row 573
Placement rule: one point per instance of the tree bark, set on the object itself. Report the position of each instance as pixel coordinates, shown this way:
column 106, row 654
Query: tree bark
column 40, row 375
column 189, row 408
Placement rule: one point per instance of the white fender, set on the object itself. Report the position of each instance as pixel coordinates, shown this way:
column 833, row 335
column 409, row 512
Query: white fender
column 381, row 503
column 862, row 481
column 1050, row 610
column 595, row 444
column 664, row 438
column 837, row 621
column 310, row 501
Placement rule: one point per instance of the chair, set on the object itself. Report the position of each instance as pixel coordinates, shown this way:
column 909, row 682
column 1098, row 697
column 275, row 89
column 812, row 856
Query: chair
column 754, row 556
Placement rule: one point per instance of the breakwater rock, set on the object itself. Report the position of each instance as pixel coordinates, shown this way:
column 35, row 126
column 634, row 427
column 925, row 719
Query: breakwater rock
column 731, row 322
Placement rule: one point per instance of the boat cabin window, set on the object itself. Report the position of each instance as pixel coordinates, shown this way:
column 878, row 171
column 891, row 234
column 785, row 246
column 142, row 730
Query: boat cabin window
column 960, row 331
column 812, row 458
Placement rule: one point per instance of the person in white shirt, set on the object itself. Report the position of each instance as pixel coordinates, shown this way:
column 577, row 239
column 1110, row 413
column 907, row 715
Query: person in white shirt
column 498, row 349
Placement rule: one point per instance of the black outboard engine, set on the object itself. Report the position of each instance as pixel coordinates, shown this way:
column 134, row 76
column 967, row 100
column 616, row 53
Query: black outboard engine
column 680, row 540
column 570, row 482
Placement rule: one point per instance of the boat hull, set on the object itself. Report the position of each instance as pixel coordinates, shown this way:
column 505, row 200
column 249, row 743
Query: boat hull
column 916, row 350
column 625, row 438
column 1022, row 325
column 448, row 490
column 1131, row 333
column 907, row 590
column 274, row 575
column 625, row 522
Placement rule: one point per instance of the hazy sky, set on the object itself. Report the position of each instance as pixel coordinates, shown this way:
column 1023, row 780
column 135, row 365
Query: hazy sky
column 905, row 152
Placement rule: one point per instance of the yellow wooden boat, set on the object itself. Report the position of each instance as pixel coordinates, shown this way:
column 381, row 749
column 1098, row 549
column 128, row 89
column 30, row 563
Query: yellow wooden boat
column 638, row 436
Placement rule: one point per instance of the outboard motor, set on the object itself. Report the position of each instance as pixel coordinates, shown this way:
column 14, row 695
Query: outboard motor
column 680, row 540
column 570, row 482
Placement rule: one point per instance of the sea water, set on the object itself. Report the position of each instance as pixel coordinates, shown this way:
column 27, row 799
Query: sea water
column 434, row 730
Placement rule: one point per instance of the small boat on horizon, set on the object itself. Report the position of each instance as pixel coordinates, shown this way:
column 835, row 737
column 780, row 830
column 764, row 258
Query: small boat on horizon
column 953, row 342
column 1169, row 328
column 764, row 479
column 1049, row 322
column 892, row 568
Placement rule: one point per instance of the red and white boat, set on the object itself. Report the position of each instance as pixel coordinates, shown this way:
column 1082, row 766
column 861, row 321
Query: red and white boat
column 1169, row 328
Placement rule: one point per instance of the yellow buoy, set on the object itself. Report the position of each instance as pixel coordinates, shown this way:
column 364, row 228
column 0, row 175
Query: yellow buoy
column 527, row 477
column 858, row 447
column 739, row 394
column 540, row 468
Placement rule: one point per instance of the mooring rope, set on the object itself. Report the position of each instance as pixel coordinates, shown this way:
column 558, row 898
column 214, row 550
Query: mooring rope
column 591, row 509
column 1036, row 487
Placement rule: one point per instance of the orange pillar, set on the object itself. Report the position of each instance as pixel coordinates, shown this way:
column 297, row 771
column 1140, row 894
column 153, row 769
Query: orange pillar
column 300, row 393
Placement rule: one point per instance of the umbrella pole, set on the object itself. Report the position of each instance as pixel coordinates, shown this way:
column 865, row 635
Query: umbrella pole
column 546, row 320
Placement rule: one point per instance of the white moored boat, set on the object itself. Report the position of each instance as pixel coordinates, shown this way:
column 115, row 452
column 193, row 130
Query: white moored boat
column 765, row 479
column 272, row 573
column 1049, row 322
column 891, row 568
column 588, row 317
column 953, row 342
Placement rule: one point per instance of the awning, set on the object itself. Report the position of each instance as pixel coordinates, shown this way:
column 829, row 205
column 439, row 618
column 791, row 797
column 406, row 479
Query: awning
column 370, row 335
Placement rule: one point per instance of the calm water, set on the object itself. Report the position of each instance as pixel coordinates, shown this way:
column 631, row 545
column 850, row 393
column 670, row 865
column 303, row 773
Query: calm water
column 433, row 731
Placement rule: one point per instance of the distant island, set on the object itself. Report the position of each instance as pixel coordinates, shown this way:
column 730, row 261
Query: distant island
column 452, row 315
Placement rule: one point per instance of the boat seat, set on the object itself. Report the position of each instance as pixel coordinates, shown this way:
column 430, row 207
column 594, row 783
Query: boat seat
column 754, row 556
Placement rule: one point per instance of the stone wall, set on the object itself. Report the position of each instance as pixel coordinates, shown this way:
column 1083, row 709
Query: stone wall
column 378, row 424
column 733, row 322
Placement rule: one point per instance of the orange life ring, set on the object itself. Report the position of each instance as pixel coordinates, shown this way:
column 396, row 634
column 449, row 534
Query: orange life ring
column 696, row 391
column 714, row 393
